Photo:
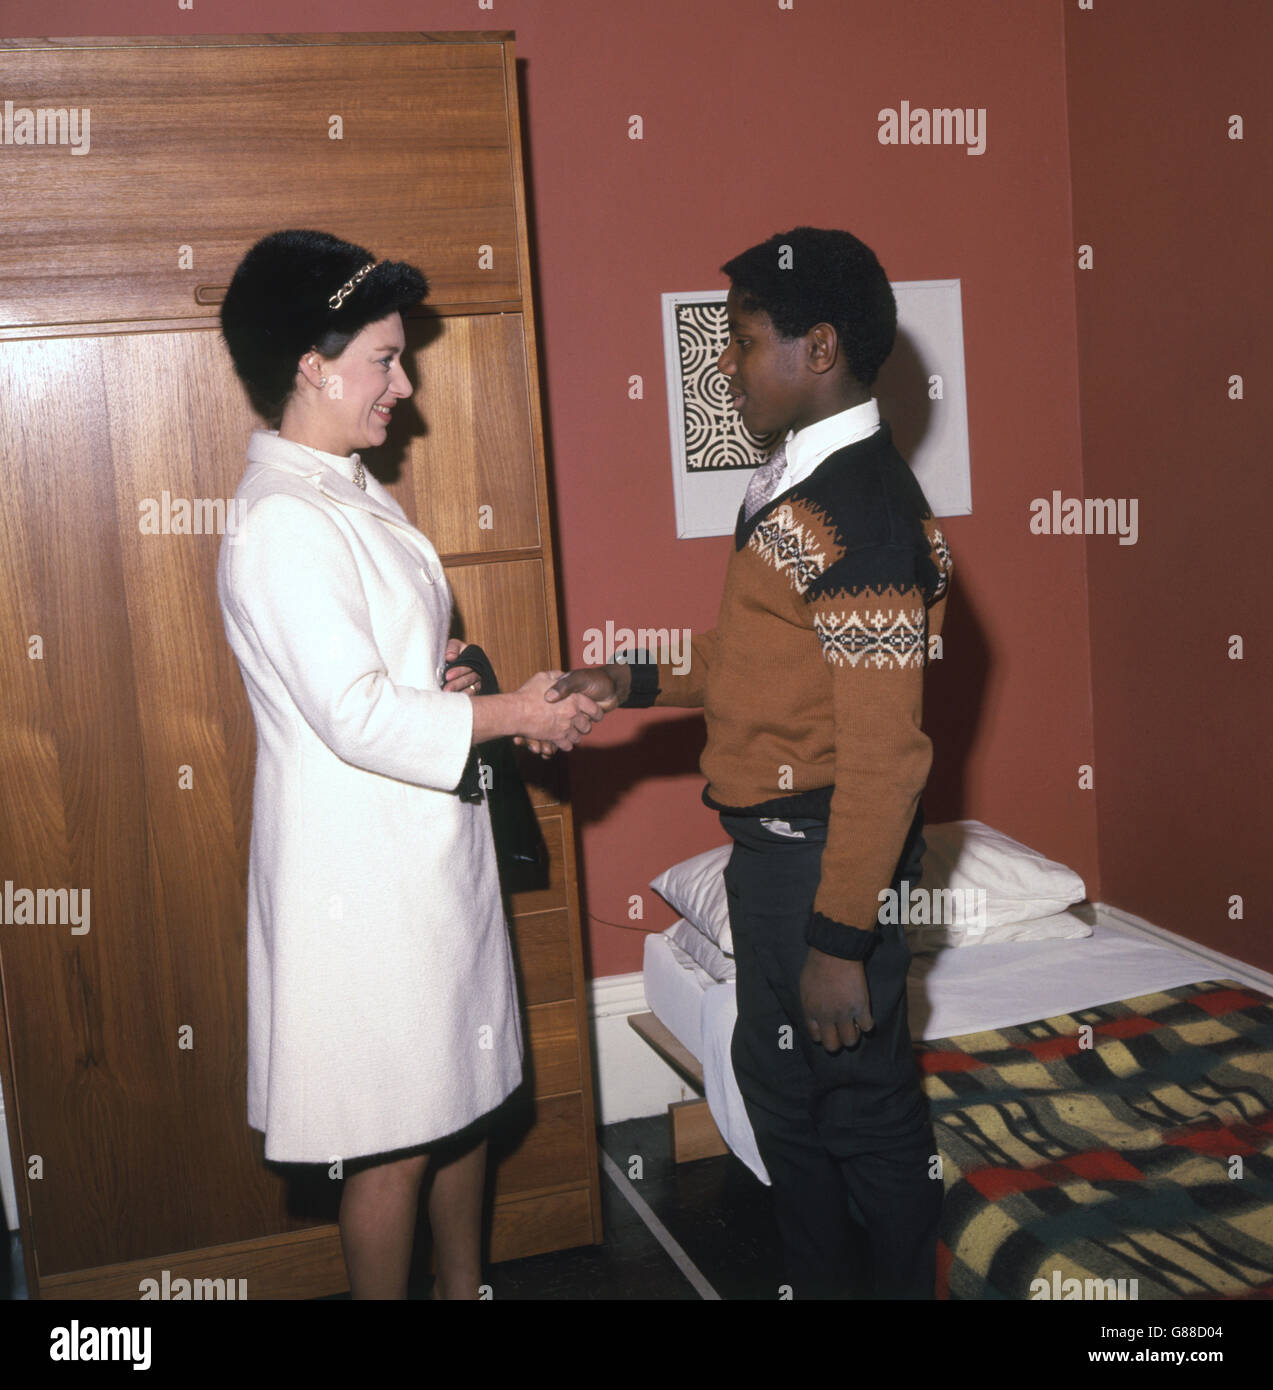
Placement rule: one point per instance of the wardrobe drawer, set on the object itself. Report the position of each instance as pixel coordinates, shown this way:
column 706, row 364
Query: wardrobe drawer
column 541, row 942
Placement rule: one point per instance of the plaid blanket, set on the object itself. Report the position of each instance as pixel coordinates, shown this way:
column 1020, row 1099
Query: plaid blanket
column 1129, row 1142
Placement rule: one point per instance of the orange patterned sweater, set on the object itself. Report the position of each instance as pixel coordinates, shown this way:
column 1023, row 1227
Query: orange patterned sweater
column 812, row 680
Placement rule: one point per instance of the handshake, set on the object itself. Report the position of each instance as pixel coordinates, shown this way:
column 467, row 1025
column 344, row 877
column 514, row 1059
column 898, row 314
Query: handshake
column 561, row 707
column 553, row 710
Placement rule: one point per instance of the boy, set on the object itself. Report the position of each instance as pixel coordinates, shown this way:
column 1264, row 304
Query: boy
column 812, row 688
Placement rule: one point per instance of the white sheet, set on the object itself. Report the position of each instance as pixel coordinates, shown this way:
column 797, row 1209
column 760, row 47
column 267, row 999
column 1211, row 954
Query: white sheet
column 970, row 989
column 975, row 989
column 674, row 991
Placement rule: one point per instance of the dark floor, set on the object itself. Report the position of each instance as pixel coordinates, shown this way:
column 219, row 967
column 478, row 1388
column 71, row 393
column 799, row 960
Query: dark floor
column 714, row 1210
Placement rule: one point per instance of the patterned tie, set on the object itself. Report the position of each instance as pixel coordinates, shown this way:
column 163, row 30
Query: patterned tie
column 764, row 481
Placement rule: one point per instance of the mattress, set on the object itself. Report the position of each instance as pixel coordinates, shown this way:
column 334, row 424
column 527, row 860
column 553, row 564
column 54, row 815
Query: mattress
column 975, row 988
column 951, row 993
column 674, row 990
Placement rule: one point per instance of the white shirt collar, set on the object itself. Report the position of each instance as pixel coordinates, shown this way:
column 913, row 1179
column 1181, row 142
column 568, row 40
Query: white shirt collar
column 807, row 448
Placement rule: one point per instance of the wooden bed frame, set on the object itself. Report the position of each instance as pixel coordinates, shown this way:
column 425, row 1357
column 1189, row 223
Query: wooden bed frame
column 692, row 1130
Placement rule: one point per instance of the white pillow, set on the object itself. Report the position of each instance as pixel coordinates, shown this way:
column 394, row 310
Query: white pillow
column 1002, row 887
column 702, row 950
column 696, row 889
column 1057, row 926
column 1020, row 886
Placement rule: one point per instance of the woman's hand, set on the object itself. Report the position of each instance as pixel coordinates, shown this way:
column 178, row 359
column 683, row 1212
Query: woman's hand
column 541, row 725
column 606, row 686
column 545, row 725
column 460, row 678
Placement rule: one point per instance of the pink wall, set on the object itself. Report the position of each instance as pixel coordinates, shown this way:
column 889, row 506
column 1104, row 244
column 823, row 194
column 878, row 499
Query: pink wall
column 1178, row 300
column 752, row 127
column 758, row 119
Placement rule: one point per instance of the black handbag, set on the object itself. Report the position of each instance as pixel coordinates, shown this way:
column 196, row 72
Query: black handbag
column 492, row 772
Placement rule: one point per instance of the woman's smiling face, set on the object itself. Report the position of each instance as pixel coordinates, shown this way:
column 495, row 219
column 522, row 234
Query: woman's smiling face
column 371, row 382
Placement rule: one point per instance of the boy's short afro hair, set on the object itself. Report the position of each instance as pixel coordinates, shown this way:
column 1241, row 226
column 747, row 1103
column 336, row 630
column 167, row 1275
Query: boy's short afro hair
column 277, row 308
column 831, row 277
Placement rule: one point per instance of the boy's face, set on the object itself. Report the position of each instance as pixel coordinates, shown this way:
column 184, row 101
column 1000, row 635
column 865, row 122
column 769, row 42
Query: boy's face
column 769, row 385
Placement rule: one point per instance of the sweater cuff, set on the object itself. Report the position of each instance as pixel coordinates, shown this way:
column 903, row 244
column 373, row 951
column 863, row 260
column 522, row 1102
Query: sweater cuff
column 644, row 689
column 836, row 939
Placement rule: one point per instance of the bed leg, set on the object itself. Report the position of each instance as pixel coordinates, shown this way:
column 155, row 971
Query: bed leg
column 693, row 1132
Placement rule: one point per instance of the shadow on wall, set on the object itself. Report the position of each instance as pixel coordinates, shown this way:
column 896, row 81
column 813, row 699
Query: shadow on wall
column 902, row 392
column 601, row 775
column 953, row 686
column 953, row 697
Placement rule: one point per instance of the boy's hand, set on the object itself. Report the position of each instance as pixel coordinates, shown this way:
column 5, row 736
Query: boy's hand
column 835, row 1000
column 607, row 685
column 561, row 723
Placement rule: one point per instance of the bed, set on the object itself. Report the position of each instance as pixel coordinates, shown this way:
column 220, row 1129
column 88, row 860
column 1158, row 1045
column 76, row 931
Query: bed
column 1102, row 1097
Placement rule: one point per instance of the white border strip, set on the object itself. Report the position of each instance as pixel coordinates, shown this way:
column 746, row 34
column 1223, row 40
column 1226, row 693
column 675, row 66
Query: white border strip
column 657, row 1229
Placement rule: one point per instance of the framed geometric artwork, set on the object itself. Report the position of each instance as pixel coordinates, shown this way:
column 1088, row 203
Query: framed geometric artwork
column 921, row 392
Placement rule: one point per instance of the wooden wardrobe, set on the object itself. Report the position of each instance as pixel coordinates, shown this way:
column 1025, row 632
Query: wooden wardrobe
column 127, row 739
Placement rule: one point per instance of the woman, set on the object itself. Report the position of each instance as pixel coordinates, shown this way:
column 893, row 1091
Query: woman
column 382, row 1014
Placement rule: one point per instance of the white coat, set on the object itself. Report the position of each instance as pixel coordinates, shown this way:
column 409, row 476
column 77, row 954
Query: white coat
column 382, row 1008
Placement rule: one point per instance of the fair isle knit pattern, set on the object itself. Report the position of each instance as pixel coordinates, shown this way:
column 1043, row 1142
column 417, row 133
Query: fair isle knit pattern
column 785, row 544
column 812, row 680
column 881, row 638
column 942, row 552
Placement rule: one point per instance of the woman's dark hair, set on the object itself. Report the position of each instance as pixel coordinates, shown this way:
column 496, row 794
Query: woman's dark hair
column 279, row 306
column 807, row 276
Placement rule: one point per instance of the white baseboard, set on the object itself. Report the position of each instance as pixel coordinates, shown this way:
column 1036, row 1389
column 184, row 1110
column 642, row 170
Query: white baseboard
column 631, row 1080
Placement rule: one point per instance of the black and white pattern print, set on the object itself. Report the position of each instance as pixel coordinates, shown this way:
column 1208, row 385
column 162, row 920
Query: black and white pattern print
column 715, row 437
column 885, row 639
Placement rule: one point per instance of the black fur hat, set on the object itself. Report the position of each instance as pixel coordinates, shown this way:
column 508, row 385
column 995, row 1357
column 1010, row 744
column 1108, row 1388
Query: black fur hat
column 292, row 292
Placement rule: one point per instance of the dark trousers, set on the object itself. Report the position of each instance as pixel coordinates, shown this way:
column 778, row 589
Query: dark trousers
column 846, row 1137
